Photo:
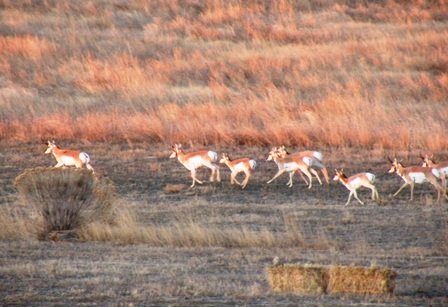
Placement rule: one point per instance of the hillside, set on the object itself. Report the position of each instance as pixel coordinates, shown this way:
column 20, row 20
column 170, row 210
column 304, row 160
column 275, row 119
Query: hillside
column 312, row 73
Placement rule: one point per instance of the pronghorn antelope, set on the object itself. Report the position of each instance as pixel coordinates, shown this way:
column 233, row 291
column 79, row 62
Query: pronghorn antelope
column 68, row 157
column 441, row 168
column 354, row 182
column 313, row 159
column 290, row 165
column 193, row 160
column 237, row 166
column 415, row 174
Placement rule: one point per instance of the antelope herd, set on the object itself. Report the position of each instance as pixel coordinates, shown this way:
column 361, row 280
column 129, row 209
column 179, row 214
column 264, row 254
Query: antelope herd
column 305, row 163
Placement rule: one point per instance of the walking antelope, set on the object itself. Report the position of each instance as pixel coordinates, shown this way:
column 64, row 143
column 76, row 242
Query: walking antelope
column 314, row 161
column 194, row 160
column 415, row 174
column 237, row 166
column 66, row 157
column 441, row 168
column 354, row 182
column 289, row 164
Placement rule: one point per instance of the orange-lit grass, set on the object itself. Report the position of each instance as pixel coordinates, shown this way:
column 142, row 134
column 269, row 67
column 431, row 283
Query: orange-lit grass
column 26, row 46
column 231, row 72
column 276, row 119
column 121, row 73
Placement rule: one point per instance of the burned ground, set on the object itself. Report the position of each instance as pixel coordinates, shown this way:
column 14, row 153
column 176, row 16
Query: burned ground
column 409, row 237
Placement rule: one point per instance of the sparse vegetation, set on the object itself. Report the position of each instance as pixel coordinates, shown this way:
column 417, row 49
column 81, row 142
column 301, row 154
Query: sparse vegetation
column 212, row 243
column 187, row 233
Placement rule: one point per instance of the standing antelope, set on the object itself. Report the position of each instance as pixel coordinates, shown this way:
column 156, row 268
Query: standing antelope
column 354, row 182
column 441, row 168
column 68, row 157
column 194, row 160
column 289, row 164
column 415, row 174
column 313, row 159
column 245, row 165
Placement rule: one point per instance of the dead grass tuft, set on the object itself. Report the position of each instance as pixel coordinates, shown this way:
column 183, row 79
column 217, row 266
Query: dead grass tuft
column 17, row 223
column 187, row 233
column 175, row 188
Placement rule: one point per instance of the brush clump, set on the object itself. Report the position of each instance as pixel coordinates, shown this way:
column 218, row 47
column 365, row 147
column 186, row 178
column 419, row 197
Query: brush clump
column 66, row 199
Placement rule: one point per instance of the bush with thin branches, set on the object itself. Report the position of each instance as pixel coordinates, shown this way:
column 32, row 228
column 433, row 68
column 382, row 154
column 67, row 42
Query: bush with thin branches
column 66, row 199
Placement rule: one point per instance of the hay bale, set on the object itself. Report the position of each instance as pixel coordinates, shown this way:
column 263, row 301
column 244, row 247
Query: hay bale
column 360, row 280
column 296, row 278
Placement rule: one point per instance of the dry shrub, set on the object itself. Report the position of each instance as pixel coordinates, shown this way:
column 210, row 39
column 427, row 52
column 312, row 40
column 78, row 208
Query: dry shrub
column 296, row 278
column 66, row 199
column 360, row 280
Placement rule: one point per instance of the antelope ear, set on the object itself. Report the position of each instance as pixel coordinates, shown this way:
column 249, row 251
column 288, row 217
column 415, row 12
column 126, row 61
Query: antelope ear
column 390, row 160
column 422, row 157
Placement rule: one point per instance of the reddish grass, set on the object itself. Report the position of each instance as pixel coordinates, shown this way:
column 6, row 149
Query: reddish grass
column 327, row 73
column 26, row 46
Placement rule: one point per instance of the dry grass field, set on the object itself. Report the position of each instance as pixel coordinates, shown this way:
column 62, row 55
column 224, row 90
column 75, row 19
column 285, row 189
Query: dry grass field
column 124, row 80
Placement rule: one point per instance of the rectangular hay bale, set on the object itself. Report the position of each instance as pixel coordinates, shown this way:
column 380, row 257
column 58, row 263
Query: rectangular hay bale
column 296, row 278
column 361, row 280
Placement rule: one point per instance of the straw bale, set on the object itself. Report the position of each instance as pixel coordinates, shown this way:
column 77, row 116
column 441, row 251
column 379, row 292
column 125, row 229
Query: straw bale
column 361, row 280
column 296, row 278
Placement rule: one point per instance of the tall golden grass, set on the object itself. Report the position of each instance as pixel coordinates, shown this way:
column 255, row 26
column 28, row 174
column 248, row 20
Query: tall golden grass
column 187, row 233
column 334, row 73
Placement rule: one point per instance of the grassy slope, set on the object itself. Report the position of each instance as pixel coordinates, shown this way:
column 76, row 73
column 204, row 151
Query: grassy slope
column 338, row 73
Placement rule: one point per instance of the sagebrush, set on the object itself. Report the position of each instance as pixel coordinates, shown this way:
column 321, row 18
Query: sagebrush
column 66, row 199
